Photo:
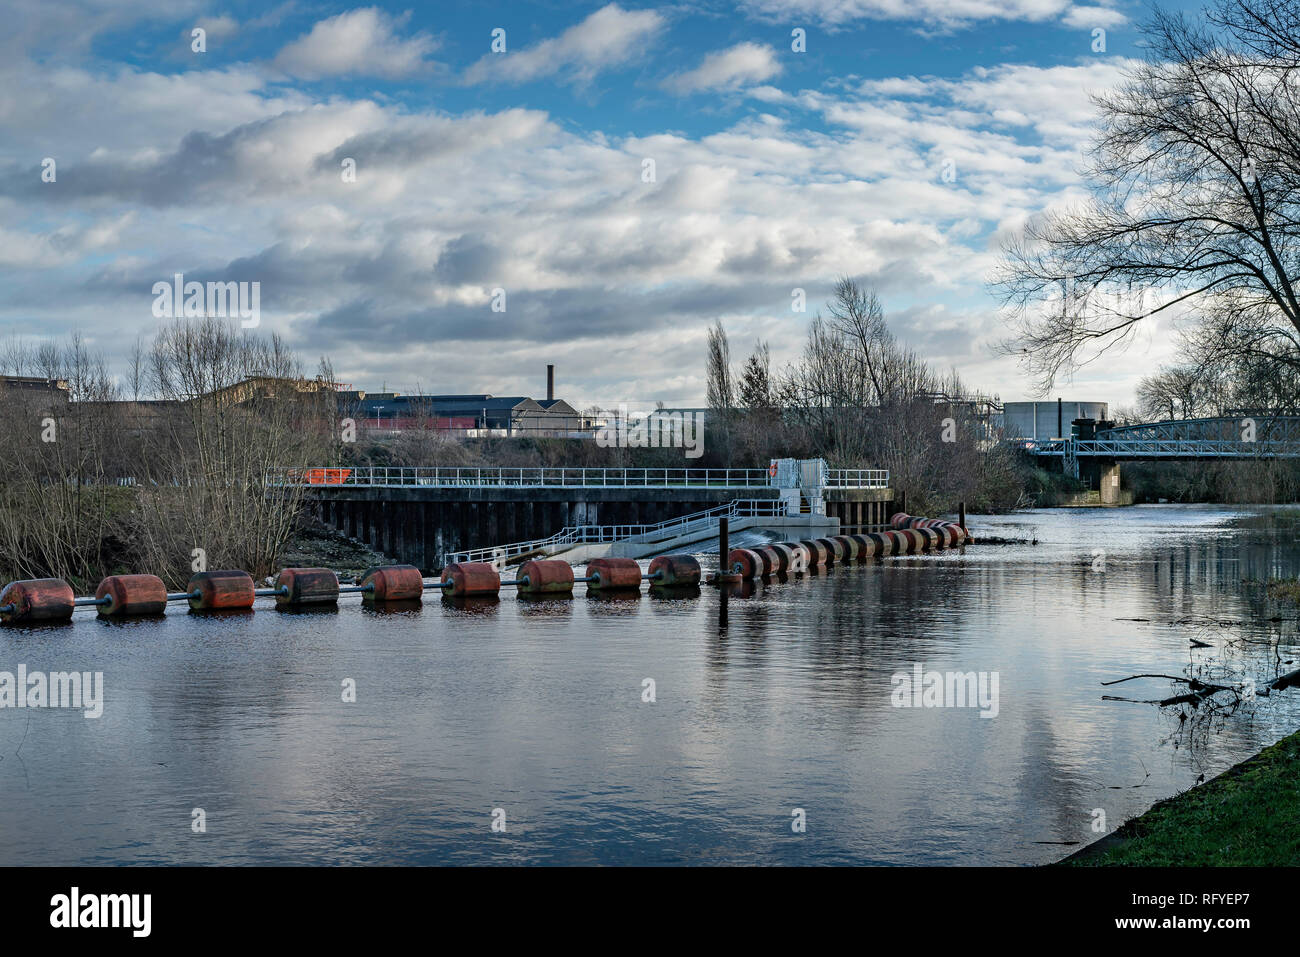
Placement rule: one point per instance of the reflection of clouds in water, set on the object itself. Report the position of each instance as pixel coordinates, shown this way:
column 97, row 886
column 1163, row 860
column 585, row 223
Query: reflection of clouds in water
column 536, row 707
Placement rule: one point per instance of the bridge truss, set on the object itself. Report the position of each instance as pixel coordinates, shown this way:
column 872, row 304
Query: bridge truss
column 1247, row 437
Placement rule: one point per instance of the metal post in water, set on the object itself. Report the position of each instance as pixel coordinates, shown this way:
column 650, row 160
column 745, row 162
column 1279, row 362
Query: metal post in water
column 961, row 514
column 725, row 575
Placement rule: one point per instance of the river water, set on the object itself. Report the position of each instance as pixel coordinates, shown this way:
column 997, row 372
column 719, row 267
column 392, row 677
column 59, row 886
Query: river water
column 532, row 715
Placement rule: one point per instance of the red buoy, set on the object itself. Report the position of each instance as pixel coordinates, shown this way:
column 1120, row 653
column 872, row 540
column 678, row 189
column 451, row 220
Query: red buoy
column 220, row 590
column 866, row 546
column 800, row 557
column 835, row 550
column 850, row 547
column 545, row 576
column 471, row 578
column 37, row 599
column 818, row 553
column 613, row 574
column 901, row 543
column 745, row 562
column 775, row 561
column 307, row 586
column 132, row 595
column 393, row 583
column 884, row 543
column 674, row 571
column 915, row 541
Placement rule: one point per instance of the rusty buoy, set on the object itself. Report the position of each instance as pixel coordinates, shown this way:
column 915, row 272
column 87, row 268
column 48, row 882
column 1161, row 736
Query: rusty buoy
column 745, row 562
column 835, row 549
column 772, row 560
column 674, row 571
column 866, row 546
column 900, row 542
column 471, row 578
column 884, row 544
column 37, row 599
column 220, row 590
column 306, row 586
column 800, row 557
column 131, row 595
column 545, row 576
column 818, row 553
column 392, row 583
column 850, row 547
column 613, row 574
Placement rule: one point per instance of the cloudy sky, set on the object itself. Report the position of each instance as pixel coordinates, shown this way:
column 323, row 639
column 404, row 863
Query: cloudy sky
column 625, row 174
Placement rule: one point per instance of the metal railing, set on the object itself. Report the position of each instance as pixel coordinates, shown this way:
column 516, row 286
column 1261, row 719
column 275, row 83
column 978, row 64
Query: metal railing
column 404, row 477
column 1166, row 448
column 393, row 477
column 599, row 534
column 857, row 478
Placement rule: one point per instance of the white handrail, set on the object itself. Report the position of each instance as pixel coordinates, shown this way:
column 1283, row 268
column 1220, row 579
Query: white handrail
column 597, row 534
column 377, row 476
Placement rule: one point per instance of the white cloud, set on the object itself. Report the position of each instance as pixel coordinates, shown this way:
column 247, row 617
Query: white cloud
column 1089, row 17
column 225, row 180
column 608, row 37
column 728, row 69
column 835, row 13
column 216, row 28
column 362, row 42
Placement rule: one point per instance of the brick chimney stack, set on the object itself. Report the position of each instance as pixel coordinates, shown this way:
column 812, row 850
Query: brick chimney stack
column 550, row 383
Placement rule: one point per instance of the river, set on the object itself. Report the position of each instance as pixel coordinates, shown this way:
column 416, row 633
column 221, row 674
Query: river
column 519, row 732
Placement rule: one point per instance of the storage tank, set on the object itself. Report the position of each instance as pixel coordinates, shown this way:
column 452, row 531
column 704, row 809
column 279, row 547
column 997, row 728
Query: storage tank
column 1044, row 421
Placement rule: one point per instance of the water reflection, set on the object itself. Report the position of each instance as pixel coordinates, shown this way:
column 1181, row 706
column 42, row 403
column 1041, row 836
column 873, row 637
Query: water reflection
column 769, row 695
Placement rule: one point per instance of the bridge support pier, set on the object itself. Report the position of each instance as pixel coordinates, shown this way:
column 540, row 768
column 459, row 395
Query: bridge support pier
column 1102, row 475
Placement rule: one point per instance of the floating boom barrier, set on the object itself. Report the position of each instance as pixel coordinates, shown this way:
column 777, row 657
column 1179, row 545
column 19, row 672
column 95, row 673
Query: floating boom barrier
column 124, row 596
column 909, row 535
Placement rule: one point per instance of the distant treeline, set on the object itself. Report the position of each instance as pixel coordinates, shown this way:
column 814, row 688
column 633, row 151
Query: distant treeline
column 195, row 454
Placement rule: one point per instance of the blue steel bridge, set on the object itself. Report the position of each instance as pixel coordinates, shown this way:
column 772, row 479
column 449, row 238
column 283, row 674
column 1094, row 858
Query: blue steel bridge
column 1260, row 436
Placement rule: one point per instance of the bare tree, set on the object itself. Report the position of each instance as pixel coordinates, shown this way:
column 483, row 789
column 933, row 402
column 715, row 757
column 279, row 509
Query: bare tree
column 60, row 508
column 1195, row 176
column 238, row 410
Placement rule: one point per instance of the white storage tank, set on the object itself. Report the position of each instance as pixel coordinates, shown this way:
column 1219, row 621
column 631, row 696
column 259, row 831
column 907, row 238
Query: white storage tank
column 1044, row 421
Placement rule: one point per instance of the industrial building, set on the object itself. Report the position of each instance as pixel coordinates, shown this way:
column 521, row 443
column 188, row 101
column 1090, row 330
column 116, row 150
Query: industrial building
column 1044, row 421
column 471, row 415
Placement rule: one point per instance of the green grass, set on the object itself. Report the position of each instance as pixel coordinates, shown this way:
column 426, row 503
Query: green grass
column 1248, row 816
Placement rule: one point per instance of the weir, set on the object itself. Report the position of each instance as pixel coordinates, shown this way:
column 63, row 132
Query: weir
column 50, row 600
column 421, row 517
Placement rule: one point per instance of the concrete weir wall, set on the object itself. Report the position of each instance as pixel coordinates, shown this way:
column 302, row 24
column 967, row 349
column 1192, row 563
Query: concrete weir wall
column 857, row 507
column 417, row 526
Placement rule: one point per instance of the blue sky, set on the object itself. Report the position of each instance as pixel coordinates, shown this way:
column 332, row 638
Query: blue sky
column 900, row 147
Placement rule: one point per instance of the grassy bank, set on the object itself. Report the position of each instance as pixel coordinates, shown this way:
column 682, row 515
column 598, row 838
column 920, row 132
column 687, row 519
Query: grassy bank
column 1247, row 816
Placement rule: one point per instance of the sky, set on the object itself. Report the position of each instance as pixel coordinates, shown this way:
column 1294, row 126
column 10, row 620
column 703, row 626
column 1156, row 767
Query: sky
column 437, row 215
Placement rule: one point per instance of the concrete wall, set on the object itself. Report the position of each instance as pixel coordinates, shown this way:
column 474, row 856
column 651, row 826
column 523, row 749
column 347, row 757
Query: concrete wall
column 858, row 509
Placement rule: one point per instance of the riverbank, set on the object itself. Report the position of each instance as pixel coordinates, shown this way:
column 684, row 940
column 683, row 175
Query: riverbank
column 1245, row 817
column 316, row 545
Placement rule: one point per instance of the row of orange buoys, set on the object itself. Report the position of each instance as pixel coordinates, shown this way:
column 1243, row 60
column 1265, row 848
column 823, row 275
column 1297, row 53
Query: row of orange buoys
column 52, row 599
column 910, row 535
